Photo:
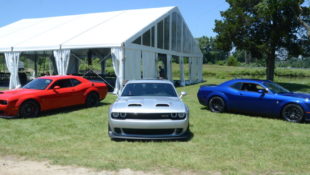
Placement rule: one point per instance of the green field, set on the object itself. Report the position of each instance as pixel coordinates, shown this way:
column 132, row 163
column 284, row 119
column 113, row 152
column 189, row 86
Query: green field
column 222, row 143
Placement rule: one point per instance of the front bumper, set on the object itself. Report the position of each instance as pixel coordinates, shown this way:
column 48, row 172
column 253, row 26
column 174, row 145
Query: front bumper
column 148, row 129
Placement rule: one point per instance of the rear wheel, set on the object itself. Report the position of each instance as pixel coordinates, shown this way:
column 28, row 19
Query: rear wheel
column 28, row 109
column 217, row 104
column 293, row 113
column 92, row 100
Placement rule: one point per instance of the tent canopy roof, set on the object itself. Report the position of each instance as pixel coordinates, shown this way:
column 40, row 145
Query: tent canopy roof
column 96, row 30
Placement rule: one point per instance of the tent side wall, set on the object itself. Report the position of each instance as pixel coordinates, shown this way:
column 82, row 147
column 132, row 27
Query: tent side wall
column 162, row 36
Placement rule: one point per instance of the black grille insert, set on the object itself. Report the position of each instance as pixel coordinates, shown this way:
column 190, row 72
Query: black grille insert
column 149, row 131
column 142, row 116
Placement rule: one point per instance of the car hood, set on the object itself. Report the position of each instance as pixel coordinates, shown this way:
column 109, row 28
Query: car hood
column 297, row 95
column 16, row 93
column 148, row 105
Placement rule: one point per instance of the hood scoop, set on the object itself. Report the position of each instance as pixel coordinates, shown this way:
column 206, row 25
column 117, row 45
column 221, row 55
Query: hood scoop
column 1, row 92
column 162, row 105
column 134, row 105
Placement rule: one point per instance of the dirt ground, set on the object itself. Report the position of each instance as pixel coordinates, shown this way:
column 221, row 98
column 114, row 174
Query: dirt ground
column 18, row 166
column 10, row 165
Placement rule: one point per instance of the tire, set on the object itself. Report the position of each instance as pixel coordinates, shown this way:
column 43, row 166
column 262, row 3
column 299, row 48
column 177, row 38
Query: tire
column 293, row 113
column 92, row 100
column 217, row 104
column 29, row 109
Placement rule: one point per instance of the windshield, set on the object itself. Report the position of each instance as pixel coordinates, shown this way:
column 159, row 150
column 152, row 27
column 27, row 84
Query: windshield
column 275, row 88
column 38, row 84
column 149, row 89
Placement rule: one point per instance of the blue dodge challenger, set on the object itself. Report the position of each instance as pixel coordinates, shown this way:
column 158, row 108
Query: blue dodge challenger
column 260, row 97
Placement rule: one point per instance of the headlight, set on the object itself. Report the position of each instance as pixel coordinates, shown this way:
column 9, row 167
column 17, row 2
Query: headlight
column 174, row 115
column 3, row 102
column 123, row 115
column 115, row 115
column 181, row 115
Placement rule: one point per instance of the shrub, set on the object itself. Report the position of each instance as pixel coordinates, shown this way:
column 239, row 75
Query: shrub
column 220, row 62
column 232, row 61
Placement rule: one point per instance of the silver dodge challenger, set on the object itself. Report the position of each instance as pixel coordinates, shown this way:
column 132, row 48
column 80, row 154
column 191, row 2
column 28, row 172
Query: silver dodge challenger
column 149, row 109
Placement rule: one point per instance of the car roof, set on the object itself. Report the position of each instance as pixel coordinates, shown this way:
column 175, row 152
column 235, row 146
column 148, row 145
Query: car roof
column 57, row 77
column 245, row 80
column 149, row 81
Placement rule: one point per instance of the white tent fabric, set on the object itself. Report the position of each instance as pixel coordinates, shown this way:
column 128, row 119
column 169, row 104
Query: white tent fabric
column 12, row 59
column 117, row 30
column 117, row 60
column 62, row 58
column 149, row 65
column 132, row 64
column 182, row 76
column 108, row 29
column 169, row 67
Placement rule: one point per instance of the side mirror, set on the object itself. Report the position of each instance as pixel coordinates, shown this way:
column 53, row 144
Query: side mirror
column 183, row 94
column 56, row 87
column 262, row 91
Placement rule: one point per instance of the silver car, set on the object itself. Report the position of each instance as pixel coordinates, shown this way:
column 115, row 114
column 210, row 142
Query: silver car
column 149, row 109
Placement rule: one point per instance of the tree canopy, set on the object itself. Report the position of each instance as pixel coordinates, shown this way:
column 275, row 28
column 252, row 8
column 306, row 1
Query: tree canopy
column 264, row 27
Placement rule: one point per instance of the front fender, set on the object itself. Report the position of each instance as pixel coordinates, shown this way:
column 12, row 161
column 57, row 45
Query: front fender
column 21, row 100
column 303, row 105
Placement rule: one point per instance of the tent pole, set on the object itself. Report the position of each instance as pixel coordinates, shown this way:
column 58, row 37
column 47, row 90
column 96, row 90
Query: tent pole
column 35, row 64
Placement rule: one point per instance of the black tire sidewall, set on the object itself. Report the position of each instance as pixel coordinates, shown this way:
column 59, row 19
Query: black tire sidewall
column 89, row 99
column 23, row 105
column 296, row 106
column 216, row 98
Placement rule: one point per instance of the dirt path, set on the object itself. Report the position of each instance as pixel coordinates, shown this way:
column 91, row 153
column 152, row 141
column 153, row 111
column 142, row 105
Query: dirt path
column 17, row 166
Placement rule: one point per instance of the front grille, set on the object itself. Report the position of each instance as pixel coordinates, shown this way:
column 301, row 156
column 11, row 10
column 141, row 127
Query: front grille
column 149, row 131
column 158, row 116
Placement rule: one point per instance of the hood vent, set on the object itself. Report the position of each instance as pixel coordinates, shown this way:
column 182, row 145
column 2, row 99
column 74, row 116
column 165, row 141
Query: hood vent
column 162, row 105
column 134, row 105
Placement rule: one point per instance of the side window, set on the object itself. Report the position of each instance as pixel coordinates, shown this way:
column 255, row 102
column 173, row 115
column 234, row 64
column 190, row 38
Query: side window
column 237, row 86
column 252, row 87
column 75, row 82
column 62, row 83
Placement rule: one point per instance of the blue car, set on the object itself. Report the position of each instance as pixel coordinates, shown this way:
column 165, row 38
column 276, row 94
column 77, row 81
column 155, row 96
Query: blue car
column 260, row 97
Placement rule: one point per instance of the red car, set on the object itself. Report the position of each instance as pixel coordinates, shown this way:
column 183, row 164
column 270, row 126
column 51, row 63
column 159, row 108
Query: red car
column 51, row 92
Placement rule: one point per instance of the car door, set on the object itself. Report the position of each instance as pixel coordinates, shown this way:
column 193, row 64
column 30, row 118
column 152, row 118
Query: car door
column 254, row 98
column 78, row 90
column 62, row 93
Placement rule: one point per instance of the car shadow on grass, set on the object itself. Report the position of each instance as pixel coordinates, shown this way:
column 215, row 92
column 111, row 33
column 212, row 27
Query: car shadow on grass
column 247, row 114
column 189, row 137
column 56, row 111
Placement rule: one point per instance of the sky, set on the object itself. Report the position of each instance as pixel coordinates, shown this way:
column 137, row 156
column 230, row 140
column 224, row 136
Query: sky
column 198, row 14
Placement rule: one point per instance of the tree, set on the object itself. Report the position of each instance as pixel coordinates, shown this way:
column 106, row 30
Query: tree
column 210, row 51
column 263, row 27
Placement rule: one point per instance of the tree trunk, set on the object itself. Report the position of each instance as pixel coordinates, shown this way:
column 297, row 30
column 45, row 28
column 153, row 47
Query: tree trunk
column 270, row 65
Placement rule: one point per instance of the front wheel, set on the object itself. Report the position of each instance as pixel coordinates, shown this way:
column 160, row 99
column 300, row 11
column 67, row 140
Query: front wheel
column 217, row 104
column 28, row 109
column 92, row 100
column 293, row 113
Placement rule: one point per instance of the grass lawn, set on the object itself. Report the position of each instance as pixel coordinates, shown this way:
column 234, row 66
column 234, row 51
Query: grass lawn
column 225, row 143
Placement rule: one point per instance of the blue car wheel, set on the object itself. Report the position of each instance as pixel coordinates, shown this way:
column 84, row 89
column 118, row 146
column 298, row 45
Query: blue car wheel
column 217, row 104
column 293, row 113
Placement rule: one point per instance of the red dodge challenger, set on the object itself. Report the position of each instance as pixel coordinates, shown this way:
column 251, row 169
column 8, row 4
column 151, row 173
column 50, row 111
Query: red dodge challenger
column 50, row 92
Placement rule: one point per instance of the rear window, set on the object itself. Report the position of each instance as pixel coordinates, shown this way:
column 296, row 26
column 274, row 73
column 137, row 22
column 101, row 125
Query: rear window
column 237, row 86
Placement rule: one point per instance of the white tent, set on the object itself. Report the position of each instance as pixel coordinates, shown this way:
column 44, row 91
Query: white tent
column 135, row 38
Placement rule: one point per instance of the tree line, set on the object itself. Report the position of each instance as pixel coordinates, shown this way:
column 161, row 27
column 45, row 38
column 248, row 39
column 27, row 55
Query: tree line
column 260, row 31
